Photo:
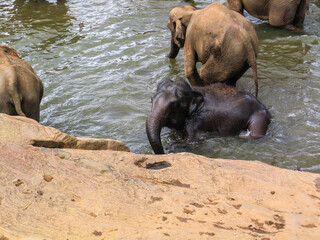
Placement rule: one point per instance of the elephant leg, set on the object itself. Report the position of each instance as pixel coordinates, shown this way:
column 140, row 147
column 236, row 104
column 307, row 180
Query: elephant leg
column 232, row 80
column 183, row 144
column 35, row 113
column 258, row 125
column 300, row 14
column 190, row 68
column 283, row 16
column 208, row 73
column 176, row 145
column 31, row 109
column 6, row 105
column 214, row 71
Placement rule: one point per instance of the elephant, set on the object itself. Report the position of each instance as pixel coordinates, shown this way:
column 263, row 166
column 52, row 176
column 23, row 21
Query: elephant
column 280, row 13
column 197, row 112
column 21, row 89
column 224, row 41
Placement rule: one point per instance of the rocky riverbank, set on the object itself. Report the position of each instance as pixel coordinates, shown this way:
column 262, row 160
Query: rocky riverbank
column 56, row 186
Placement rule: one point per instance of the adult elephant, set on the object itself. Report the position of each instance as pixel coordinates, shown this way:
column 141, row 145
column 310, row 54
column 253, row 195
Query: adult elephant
column 21, row 89
column 223, row 40
column 198, row 111
column 280, row 13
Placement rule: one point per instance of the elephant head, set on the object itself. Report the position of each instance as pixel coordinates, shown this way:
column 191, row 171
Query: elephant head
column 172, row 104
column 179, row 19
column 8, row 50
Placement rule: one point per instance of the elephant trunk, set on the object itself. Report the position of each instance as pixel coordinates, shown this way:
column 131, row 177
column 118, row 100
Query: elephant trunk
column 155, row 122
column 174, row 50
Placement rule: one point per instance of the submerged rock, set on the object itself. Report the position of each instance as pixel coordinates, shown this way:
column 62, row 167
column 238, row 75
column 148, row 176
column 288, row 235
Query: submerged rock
column 103, row 194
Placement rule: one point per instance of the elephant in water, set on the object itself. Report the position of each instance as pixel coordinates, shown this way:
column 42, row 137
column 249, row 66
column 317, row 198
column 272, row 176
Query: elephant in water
column 223, row 40
column 280, row 13
column 198, row 111
column 21, row 89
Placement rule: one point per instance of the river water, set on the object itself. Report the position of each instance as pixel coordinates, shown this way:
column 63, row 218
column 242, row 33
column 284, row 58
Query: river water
column 100, row 61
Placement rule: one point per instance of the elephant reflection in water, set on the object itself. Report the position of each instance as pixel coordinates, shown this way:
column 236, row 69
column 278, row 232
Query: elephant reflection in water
column 58, row 1
column 40, row 1
column 42, row 15
column 198, row 111
column 34, row 11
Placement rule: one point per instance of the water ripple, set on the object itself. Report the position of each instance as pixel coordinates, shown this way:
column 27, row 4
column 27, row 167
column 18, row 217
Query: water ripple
column 100, row 61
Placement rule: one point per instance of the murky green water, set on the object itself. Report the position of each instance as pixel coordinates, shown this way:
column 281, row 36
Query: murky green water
column 100, row 61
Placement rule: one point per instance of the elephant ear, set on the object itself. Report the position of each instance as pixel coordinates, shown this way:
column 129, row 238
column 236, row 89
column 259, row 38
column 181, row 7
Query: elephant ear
column 196, row 103
column 179, row 30
column 10, row 51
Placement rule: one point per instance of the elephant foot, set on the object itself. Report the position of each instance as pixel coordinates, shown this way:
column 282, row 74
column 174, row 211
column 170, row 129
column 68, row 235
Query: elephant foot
column 197, row 82
column 294, row 29
column 176, row 145
column 244, row 134
column 249, row 136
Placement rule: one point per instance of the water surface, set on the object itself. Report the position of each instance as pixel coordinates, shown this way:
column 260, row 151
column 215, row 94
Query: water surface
column 100, row 61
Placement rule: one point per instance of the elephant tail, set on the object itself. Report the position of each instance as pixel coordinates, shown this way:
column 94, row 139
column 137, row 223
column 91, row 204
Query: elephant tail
column 252, row 61
column 307, row 7
column 12, row 87
column 255, row 75
column 250, row 41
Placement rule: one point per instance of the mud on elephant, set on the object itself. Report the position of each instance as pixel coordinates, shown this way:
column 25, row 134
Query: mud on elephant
column 198, row 111
column 21, row 89
column 221, row 39
column 280, row 13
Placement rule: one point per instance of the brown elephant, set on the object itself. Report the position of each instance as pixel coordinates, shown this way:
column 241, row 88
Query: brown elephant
column 21, row 89
column 223, row 40
column 280, row 13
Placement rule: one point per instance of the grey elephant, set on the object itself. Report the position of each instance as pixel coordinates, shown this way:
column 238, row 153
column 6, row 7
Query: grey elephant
column 198, row 111
column 223, row 40
column 21, row 89
column 280, row 13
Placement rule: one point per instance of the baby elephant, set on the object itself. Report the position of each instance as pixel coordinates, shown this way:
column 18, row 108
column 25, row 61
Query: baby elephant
column 21, row 89
column 216, row 108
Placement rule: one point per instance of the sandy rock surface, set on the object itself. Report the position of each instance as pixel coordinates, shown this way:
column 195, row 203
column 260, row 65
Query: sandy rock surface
column 55, row 193
column 23, row 130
